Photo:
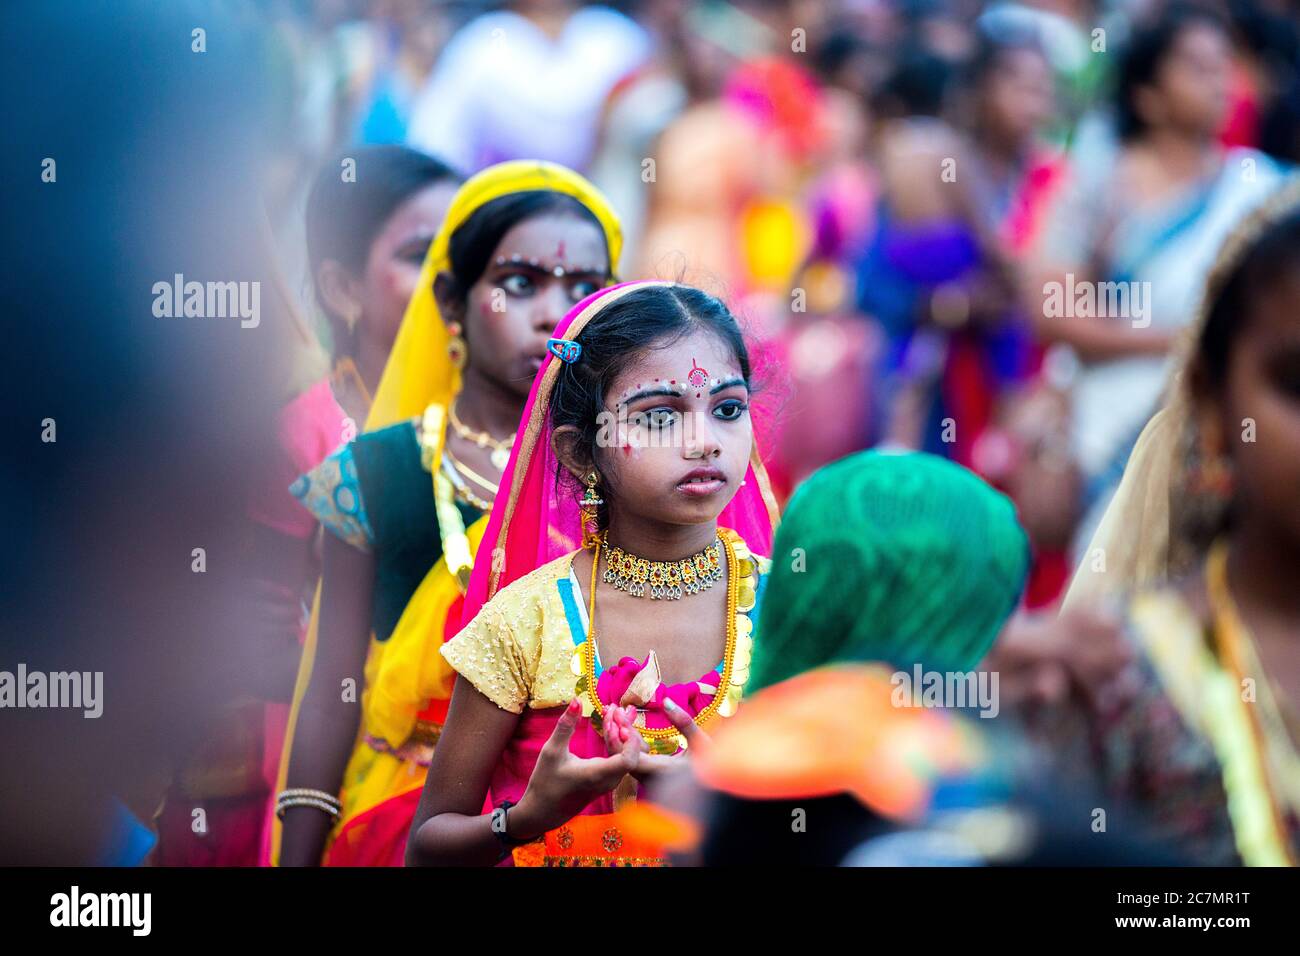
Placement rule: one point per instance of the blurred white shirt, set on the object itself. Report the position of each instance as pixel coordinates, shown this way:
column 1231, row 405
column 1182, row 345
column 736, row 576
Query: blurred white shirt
column 502, row 89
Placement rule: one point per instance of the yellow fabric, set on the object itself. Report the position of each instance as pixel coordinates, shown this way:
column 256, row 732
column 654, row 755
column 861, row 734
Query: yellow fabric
column 402, row 675
column 419, row 372
column 409, row 670
column 299, row 691
column 517, row 650
column 774, row 241
column 1210, row 700
column 1130, row 548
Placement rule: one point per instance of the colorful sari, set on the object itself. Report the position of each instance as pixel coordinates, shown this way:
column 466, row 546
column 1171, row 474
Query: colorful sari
column 374, row 494
column 1202, row 744
column 525, row 643
column 1206, row 744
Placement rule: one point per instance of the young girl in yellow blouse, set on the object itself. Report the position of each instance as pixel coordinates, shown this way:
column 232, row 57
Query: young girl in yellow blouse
column 623, row 565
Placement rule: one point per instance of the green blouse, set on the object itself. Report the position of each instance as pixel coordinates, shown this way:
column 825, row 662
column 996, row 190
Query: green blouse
column 375, row 494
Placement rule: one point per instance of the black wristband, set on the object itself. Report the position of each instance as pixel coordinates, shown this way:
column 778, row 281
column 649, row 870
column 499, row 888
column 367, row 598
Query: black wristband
column 499, row 825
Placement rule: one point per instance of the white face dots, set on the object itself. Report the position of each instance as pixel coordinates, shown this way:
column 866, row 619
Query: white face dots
column 558, row 270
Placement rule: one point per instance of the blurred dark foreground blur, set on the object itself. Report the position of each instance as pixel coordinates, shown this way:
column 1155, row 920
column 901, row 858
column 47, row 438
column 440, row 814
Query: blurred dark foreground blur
column 130, row 438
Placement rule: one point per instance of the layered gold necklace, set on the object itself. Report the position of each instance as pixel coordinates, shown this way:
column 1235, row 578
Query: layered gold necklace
column 668, row 580
column 500, row 454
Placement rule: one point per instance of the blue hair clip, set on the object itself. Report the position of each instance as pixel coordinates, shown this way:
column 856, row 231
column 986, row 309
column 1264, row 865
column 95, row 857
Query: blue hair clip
column 564, row 350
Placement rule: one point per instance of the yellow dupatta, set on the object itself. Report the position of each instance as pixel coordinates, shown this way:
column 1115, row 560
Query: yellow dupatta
column 418, row 376
column 419, row 372
column 1211, row 686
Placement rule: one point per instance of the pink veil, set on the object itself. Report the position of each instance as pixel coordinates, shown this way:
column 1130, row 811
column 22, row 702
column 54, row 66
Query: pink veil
column 531, row 524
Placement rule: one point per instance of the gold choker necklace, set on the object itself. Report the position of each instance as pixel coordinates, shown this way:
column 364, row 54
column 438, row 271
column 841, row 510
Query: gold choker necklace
column 668, row 580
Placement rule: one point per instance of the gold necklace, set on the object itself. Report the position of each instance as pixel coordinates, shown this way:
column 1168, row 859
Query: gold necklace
column 471, row 474
column 461, row 489
column 668, row 580
column 451, row 526
column 500, row 446
column 1264, row 803
column 346, row 368
column 742, row 586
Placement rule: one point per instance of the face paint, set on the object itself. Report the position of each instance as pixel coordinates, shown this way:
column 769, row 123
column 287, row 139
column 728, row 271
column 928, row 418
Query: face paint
column 698, row 377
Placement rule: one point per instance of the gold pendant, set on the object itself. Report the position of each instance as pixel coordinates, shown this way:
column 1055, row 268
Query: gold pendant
column 500, row 457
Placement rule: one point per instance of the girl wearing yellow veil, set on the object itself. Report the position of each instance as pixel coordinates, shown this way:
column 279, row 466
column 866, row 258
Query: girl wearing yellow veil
column 406, row 502
column 1202, row 543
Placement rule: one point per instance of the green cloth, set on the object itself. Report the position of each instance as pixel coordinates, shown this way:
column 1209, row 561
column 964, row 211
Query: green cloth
column 399, row 505
column 904, row 558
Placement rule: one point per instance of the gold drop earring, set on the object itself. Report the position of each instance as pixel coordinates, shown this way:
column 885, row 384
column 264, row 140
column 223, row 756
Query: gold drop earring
column 1214, row 471
column 588, row 508
column 457, row 347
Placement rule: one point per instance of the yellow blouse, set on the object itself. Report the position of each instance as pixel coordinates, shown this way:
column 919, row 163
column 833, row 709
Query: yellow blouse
column 518, row 650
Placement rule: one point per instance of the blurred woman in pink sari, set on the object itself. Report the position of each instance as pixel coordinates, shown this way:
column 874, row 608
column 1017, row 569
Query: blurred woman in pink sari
column 367, row 234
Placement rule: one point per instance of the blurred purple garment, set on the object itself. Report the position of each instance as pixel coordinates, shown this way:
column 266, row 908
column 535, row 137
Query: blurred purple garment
column 939, row 251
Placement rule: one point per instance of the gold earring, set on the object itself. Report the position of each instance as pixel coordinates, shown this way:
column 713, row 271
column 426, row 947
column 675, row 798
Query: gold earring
column 457, row 347
column 1213, row 476
column 351, row 318
column 588, row 507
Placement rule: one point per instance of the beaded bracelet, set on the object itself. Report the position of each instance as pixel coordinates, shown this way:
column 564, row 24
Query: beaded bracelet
column 306, row 797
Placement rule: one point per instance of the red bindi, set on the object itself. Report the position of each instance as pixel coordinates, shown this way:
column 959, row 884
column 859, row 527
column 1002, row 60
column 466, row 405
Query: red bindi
column 698, row 377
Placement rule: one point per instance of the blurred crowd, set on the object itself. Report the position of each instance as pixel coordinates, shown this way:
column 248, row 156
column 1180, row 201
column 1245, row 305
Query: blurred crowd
column 884, row 190
column 978, row 230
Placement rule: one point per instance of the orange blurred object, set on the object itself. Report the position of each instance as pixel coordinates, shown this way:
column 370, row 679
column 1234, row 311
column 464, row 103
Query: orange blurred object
column 837, row 730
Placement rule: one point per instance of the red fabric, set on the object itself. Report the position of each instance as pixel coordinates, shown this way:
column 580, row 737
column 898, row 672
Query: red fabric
column 782, row 98
column 968, row 394
column 378, row 836
column 1241, row 119
column 1048, row 576
column 232, row 830
column 1024, row 218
